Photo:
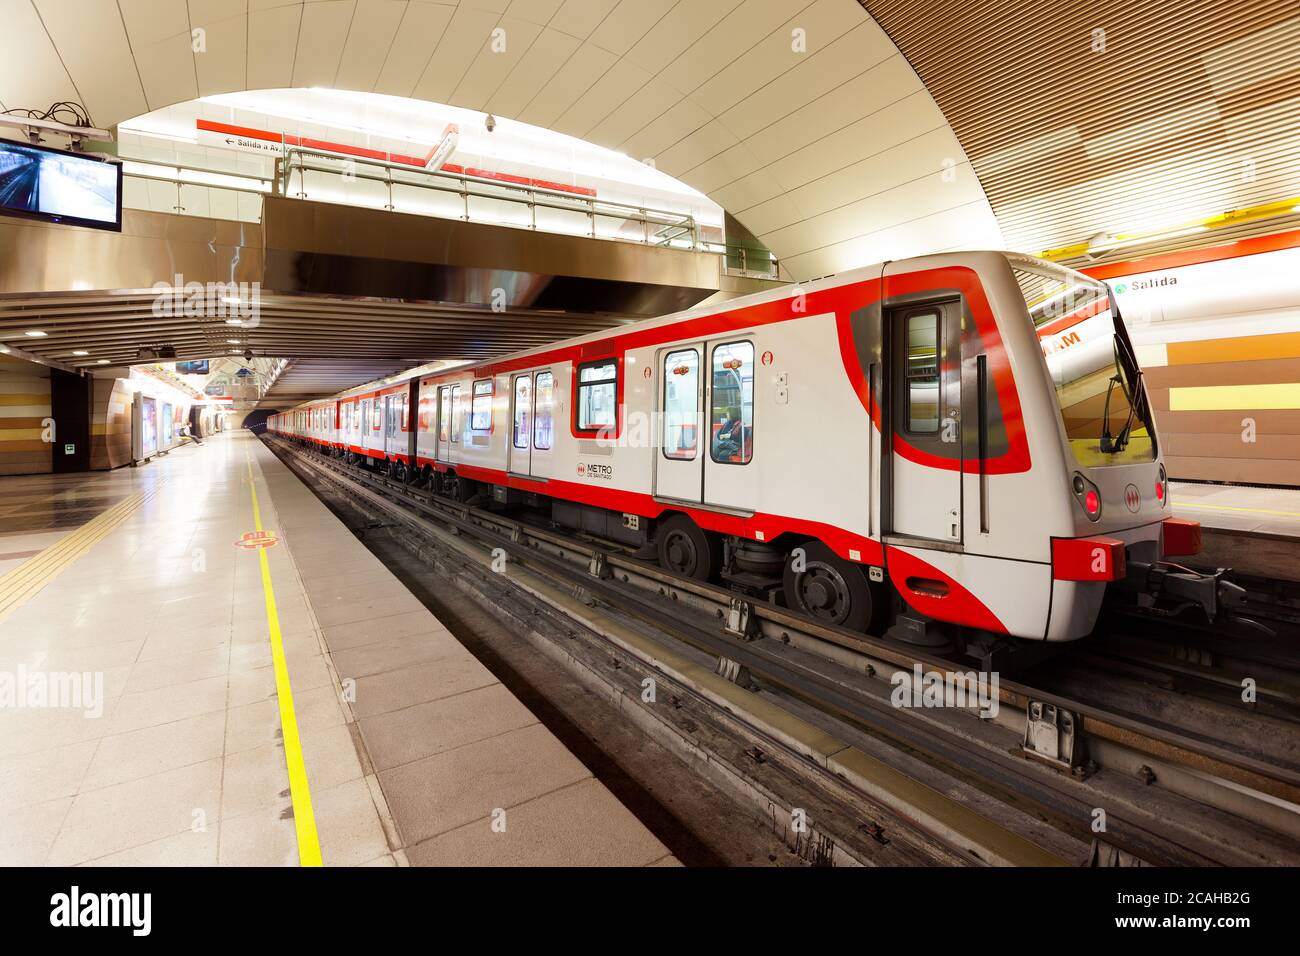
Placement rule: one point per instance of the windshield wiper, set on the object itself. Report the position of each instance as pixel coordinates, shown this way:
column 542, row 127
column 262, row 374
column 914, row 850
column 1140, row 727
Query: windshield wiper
column 1107, row 441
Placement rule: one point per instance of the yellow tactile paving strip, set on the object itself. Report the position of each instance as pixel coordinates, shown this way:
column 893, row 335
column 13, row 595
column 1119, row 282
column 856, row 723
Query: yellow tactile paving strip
column 20, row 584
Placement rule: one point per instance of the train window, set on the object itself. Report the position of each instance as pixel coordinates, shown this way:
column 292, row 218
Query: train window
column 444, row 414
column 456, row 413
column 375, row 412
column 405, row 401
column 922, row 373
column 543, row 427
column 480, row 412
column 597, row 395
column 523, row 400
column 731, row 412
column 681, row 404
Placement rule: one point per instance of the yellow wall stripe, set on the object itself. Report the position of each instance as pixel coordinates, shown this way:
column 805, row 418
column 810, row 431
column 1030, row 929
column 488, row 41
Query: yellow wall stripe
column 1243, row 348
column 304, row 817
column 1208, row 398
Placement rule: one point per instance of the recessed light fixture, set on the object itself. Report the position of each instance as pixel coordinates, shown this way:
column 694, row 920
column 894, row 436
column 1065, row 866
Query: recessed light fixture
column 234, row 321
column 4, row 350
column 233, row 341
column 103, row 361
column 35, row 333
column 80, row 352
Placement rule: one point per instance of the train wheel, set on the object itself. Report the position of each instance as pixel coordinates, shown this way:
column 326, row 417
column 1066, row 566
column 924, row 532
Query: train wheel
column 829, row 588
column 686, row 550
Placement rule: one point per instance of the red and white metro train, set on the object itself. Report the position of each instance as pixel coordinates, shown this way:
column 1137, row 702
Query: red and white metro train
column 960, row 438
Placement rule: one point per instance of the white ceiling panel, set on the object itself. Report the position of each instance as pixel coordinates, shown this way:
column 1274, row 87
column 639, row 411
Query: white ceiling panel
column 628, row 23
column 152, row 21
column 167, row 70
column 369, row 39
column 602, row 98
column 534, row 11
column 823, row 22
column 272, row 45
column 570, row 81
column 413, row 47
column 628, row 118
column 91, row 40
column 496, row 61
column 31, row 74
column 324, row 31
column 222, row 66
column 463, row 40
column 737, row 32
column 579, row 17
column 548, row 53
column 850, row 56
column 676, row 31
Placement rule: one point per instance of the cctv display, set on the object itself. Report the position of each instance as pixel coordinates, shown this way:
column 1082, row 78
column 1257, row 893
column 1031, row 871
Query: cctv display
column 37, row 182
column 197, row 367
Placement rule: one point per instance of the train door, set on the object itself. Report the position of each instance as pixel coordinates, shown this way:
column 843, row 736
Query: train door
column 442, row 450
column 539, row 465
column 730, row 476
column 520, row 452
column 679, row 466
column 392, row 425
column 926, row 440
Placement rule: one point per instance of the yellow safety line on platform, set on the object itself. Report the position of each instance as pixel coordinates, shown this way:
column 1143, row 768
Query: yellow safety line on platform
column 25, row 581
column 1253, row 511
column 304, row 817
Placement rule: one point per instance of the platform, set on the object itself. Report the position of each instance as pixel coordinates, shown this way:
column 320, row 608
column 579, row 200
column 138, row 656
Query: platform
column 203, row 666
column 1252, row 530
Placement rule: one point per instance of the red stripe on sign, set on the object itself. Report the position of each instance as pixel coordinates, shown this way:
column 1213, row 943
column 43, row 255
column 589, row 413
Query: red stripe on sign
column 270, row 136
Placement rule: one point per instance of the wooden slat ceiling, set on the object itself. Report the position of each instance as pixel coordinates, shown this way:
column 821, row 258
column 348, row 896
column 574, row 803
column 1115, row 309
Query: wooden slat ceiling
column 1177, row 111
column 115, row 325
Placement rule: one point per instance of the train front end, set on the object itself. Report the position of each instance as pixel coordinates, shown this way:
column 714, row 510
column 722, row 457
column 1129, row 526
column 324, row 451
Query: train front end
column 1126, row 543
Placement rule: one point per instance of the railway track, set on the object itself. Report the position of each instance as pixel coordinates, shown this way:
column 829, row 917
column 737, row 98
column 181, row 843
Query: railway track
column 1051, row 778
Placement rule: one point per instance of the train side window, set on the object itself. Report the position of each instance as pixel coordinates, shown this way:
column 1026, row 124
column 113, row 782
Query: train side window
column 376, row 410
column 405, row 399
column 456, row 413
column 444, row 414
column 523, row 399
column 544, row 400
column 681, row 404
column 922, row 373
column 731, row 412
column 480, row 412
column 597, row 395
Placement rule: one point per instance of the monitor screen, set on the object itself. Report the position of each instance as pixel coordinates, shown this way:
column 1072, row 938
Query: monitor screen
column 197, row 367
column 42, row 183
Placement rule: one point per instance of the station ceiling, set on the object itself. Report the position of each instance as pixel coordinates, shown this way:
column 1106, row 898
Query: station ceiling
column 839, row 132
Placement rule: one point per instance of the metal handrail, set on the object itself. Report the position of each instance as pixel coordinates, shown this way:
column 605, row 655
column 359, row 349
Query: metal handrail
column 658, row 227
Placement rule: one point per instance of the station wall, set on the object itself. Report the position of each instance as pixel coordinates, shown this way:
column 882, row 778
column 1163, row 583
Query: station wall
column 24, row 412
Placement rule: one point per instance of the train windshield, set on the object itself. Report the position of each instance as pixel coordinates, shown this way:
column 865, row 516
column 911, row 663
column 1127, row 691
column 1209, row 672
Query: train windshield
column 1098, row 383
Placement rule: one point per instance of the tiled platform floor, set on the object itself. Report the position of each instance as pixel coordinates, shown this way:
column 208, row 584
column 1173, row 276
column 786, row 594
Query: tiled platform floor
column 413, row 751
column 38, row 510
column 1231, row 508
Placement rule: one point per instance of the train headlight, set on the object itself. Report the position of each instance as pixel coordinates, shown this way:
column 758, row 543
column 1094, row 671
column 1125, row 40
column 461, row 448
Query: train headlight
column 1088, row 496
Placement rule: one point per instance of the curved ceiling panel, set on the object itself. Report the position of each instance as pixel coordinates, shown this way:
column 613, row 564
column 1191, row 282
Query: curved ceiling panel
column 801, row 119
column 1084, row 117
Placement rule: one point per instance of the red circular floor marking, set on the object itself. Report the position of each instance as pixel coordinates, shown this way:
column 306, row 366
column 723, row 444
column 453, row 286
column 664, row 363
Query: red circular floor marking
column 256, row 539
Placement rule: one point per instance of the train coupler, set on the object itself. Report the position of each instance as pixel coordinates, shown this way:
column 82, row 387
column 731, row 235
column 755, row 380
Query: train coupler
column 1212, row 592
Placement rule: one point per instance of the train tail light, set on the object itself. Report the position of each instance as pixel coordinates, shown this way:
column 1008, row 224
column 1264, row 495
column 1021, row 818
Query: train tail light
column 1088, row 496
column 1162, row 487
